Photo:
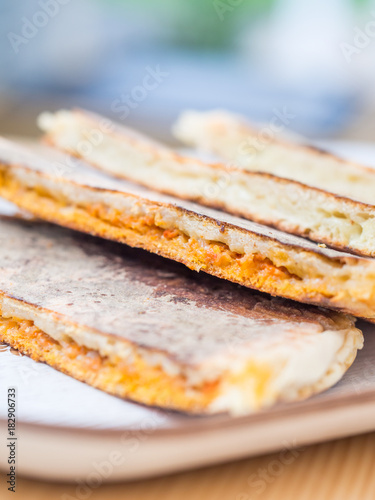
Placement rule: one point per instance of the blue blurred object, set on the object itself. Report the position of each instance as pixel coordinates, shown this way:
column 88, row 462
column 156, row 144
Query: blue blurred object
column 93, row 56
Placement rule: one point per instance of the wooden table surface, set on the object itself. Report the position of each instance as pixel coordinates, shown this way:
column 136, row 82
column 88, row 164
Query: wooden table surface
column 336, row 470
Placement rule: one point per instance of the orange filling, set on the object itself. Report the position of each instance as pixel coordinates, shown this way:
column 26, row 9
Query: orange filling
column 148, row 232
column 138, row 381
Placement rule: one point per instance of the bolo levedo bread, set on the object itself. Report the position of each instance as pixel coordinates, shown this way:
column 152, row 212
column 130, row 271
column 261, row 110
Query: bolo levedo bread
column 147, row 329
column 293, row 188
column 203, row 239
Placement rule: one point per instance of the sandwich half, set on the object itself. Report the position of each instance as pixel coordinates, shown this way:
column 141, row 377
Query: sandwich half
column 201, row 238
column 288, row 205
column 232, row 138
column 140, row 327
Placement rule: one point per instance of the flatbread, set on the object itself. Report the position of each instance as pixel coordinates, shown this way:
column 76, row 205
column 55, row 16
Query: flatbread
column 289, row 205
column 231, row 137
column 144, row 328
column 201, row 238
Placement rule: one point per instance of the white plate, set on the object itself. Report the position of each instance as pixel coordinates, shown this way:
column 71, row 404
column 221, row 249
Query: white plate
column 69, row 431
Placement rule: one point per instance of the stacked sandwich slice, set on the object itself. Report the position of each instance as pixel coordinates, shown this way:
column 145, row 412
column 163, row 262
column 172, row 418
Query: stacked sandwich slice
column 142, row 328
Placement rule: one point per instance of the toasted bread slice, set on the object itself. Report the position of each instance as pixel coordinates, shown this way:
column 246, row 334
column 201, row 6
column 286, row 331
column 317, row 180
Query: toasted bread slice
column 233, row 139
column 288, row 205
column 201, row 238
column 140, row 327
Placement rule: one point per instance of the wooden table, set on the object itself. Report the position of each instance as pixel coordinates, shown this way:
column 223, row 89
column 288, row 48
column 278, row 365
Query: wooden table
column 337, row 470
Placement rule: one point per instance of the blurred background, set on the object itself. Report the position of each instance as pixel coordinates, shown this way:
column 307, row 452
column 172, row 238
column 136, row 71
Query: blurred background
column 143, row 61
